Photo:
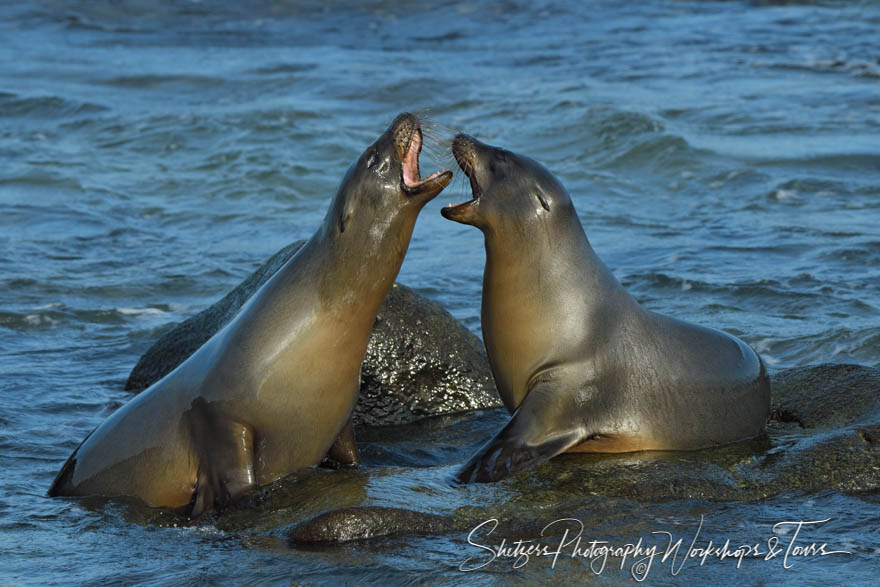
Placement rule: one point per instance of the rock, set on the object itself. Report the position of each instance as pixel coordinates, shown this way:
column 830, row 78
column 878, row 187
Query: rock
column 846, row 460
column 833, row 437
column 361, row 523
column 826, row 396
column 420, row 361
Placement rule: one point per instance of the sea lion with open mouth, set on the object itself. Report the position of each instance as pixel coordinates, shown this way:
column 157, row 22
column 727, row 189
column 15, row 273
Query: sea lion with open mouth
column 582, row 366
column 268, row 394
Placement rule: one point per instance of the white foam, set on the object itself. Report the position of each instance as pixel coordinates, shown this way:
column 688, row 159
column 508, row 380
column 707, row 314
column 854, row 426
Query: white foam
column 40, row 320
column 782, row 195
column 141, row 311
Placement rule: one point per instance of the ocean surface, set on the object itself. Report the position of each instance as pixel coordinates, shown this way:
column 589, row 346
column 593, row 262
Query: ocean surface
column 724, row 158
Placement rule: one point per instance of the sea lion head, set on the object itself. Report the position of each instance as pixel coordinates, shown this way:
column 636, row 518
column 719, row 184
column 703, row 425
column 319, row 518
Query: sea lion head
column 384, row 183
column 510, row 191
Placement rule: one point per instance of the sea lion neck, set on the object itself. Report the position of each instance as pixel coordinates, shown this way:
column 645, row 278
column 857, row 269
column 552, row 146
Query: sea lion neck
column 556, row 286
column 554, row 260
column 509, row 245
column 366, row 258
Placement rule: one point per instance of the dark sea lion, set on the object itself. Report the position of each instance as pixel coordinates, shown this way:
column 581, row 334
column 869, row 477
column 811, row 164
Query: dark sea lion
column 268, row 394
column 580, row 364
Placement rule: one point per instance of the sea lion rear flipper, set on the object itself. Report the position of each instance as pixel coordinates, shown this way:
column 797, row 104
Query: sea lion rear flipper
column 343, row 452
column 225, row 450
column 63, row 483
column 537, row 432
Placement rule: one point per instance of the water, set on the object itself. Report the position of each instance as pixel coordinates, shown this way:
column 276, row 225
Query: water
column 724, row 158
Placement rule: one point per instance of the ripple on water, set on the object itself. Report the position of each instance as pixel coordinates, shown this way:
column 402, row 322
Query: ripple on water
column 15, row 106
column 830, row 344
column 58, row 315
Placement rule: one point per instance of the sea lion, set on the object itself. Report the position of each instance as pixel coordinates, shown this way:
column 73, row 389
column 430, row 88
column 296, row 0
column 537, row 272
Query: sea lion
column 582, row 366
column 268, row 394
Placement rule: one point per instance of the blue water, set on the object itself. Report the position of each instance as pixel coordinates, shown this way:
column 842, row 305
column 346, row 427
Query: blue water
column 724, row 158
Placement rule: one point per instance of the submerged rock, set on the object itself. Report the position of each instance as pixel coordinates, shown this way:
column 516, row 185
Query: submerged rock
column 420, row 361
column 361, row 523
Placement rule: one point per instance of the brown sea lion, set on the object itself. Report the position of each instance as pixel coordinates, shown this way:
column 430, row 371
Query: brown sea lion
column 268, row 394
column 582, row 366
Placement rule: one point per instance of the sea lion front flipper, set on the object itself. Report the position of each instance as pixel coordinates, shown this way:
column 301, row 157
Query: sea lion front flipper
column 225, row 449
column 537, row 432
column 343, row 452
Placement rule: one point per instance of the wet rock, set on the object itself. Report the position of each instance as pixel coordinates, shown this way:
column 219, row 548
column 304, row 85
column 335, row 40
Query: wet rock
column 420, row 361
column 360, row 523
column 825, row 435
column 846, row 460
column 826, row 396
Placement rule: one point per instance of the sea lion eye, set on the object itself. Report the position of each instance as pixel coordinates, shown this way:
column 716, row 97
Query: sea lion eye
column 372, row 158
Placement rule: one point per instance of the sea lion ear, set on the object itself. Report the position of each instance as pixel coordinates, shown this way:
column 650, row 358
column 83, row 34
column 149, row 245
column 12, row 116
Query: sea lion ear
column 540, row 195
column 372, row 158
column 343, row 219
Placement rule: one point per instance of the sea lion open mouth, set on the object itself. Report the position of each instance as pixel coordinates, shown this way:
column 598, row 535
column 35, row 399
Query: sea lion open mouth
column 464, row 153
column 413, row 183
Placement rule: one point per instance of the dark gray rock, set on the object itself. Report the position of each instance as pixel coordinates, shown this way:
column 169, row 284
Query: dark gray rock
column 826, row 432
column 826, row 396
column 361, row 523
column 420, row 361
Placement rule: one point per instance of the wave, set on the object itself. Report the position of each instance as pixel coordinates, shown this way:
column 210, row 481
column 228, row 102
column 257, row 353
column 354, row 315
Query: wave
column 58, row 315
column 836, row 345
column 156, row 81
column 44, row 107
column 608, row 138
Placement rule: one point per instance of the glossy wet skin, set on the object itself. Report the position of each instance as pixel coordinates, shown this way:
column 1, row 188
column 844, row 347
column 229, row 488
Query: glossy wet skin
column 581, row 365
column 269, row 393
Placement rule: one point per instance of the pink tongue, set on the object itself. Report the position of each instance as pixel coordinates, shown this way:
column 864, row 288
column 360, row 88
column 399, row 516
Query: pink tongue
column 411, row 161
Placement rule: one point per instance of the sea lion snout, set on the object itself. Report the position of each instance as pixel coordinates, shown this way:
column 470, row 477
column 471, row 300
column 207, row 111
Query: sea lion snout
column 463, row 150
column 473, row 156
column 502, row 184
column 407, row 139
column 402, row 131
column 467, row 152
